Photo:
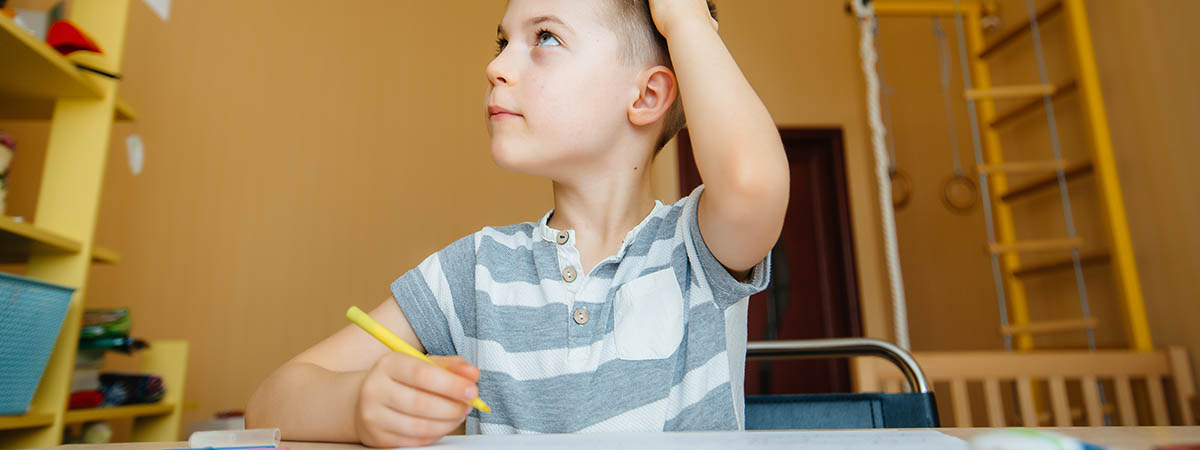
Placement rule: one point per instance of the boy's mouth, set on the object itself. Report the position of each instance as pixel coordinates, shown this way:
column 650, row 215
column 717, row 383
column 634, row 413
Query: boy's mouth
column 499, row 113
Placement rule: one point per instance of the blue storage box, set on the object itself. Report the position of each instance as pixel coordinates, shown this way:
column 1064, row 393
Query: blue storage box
column 31, row 314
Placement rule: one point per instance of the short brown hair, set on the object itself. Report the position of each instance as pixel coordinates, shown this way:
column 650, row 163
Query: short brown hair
column 640, row 43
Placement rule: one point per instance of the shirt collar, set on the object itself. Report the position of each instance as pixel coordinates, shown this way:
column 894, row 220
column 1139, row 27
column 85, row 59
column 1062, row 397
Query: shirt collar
column 550, row 234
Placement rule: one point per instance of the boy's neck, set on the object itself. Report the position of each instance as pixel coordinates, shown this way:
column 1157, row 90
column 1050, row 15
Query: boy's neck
column 602, row 209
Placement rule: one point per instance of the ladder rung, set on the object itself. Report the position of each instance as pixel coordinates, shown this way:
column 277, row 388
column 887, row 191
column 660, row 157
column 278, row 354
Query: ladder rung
column 1024, row 166
column 1061, row 264
column 1060, row 90
column 1047, row 181
column 1052, row 326
column 1046, row 245
column 1011, row 34
column 1029, row 90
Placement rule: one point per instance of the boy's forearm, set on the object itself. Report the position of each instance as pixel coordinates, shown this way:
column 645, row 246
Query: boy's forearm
column 307, row 403
column 735, row 141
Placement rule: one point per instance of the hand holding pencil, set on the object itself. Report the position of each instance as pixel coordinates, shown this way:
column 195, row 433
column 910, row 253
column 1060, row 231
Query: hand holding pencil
column 409, row 399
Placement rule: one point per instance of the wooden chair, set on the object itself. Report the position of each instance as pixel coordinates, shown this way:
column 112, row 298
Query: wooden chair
column 1060, row 379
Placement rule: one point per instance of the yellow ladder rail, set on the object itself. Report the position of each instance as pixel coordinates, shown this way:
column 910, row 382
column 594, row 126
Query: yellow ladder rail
column 1120, row 244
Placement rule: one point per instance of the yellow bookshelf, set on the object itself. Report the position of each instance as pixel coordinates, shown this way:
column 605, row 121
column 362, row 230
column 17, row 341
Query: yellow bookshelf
column 57, row 246
column 17, row 240
column 34, row 70
column 119, row 412
column 26, row 421
column 35, row 76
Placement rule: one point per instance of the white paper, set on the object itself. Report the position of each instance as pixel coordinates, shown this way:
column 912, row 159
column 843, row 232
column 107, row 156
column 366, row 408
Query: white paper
column 160, row 7
column 766, row 440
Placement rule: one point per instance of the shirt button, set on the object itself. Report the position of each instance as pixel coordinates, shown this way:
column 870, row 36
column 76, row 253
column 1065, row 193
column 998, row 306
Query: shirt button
column 562, row 238
column 568, row 274
column 581, row 316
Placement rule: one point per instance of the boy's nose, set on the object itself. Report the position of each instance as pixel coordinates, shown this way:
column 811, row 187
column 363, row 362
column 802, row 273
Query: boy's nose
column 496, row 74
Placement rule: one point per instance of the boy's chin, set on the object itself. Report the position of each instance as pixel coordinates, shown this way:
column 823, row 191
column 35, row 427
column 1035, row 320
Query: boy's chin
column 515, row 158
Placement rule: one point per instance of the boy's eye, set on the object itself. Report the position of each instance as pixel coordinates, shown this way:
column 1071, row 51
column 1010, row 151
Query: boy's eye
column 500, row 44
column 546, row 38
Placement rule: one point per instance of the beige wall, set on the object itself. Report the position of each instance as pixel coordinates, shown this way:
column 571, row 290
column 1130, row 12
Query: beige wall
column 300, row 157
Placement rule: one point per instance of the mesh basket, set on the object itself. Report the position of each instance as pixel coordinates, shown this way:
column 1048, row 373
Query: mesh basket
column 31, row 313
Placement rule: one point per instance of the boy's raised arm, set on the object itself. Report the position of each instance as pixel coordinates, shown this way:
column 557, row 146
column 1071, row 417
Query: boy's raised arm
column 737, row 147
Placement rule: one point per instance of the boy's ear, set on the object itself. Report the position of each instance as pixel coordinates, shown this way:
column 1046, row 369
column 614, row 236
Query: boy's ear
column 656, row 94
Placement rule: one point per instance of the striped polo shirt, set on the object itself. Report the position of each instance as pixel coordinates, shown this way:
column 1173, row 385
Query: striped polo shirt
column 652, row 339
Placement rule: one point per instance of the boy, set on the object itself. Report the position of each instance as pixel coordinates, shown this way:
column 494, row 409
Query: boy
column 614, row 311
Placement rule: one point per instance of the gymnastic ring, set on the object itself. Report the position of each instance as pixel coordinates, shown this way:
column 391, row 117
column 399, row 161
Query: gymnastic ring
column 960, row 206
column 901, row 188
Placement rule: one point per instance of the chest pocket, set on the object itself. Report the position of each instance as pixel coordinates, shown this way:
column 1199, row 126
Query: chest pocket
column 648, row 317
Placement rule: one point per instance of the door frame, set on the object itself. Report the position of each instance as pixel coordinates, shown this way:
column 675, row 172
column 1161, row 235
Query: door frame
column 830, row 138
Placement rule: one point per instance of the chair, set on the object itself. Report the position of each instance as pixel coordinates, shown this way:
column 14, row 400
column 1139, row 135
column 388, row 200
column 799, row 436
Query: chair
column 831, row 411
column 1079, row 386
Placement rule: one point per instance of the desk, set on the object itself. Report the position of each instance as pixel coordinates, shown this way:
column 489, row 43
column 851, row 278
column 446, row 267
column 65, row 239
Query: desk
column 1115, row 437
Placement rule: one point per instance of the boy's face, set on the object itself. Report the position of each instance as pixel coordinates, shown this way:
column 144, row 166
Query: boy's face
column 559, row 73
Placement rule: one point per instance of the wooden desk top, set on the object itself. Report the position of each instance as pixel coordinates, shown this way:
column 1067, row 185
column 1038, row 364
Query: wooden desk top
column 1131, row 438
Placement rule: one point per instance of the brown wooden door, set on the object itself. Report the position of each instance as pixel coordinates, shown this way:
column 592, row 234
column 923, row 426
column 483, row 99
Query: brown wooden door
column 814, row 290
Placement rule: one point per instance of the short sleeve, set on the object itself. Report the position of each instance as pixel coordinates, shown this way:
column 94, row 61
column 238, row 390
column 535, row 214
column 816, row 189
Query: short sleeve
column 726, row 289
column 432, row 294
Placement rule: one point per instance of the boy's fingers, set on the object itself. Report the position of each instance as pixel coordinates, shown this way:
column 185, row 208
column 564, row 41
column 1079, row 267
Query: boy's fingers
column 426, row 377
column 425, row 430
column 457, row 365
column 394, row 429
column 415, row 402
column 468, row 371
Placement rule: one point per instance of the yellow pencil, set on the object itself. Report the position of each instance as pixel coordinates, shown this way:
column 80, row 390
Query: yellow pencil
column 394, row 342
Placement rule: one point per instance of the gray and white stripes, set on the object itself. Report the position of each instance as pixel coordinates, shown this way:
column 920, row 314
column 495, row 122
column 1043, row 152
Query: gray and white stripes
column 660, row 344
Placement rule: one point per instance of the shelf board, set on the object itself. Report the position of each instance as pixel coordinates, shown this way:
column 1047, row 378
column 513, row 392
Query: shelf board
column 43, row 109
column 18, row 239
column 105, row 255
column 124, row 112
column 33, row 69
column 118, row 412
column 32, row 420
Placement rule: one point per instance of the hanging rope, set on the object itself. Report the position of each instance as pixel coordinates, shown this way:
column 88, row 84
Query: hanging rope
column 867, row 27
